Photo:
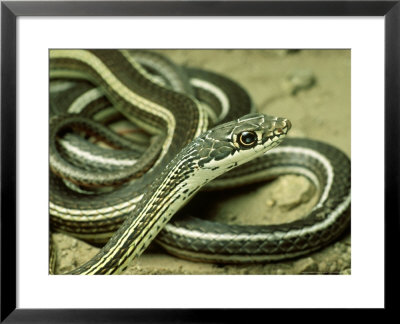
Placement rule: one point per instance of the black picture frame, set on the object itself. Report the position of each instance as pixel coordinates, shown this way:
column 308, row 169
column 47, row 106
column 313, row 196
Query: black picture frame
column 10, row 10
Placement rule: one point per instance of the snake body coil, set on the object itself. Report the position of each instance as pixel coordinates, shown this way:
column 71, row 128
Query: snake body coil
column 125, row 195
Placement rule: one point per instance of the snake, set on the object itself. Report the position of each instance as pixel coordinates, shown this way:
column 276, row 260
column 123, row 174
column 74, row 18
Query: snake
column 194, row 129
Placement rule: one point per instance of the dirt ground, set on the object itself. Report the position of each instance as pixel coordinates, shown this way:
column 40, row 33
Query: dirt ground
column 309, row 87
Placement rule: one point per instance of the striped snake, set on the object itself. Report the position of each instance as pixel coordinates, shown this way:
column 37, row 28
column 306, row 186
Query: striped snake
column 125, row 190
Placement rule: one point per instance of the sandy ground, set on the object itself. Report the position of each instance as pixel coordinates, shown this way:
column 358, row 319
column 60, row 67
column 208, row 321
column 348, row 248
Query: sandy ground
column 309, row 87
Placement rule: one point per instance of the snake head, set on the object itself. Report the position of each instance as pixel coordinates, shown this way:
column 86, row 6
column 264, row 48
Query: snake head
column 234, row 143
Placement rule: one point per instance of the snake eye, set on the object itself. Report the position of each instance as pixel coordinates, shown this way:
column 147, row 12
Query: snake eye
column 247, row 139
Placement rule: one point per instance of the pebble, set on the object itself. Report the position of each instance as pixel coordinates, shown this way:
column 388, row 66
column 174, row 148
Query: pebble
column 298, row 190
column 322, row 267
column 333, row 267
column 307, row 265
column 299, row 80
column 270, row 202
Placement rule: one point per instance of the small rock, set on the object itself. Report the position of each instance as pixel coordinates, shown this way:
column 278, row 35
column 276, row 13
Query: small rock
column 307, row 265
column 322, row 267
column 270, row 202
column 333, row 267
column 297, row 191
column 299, row 80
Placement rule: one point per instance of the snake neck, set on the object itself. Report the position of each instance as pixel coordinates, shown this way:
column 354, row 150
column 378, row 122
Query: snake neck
column 175, row 186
